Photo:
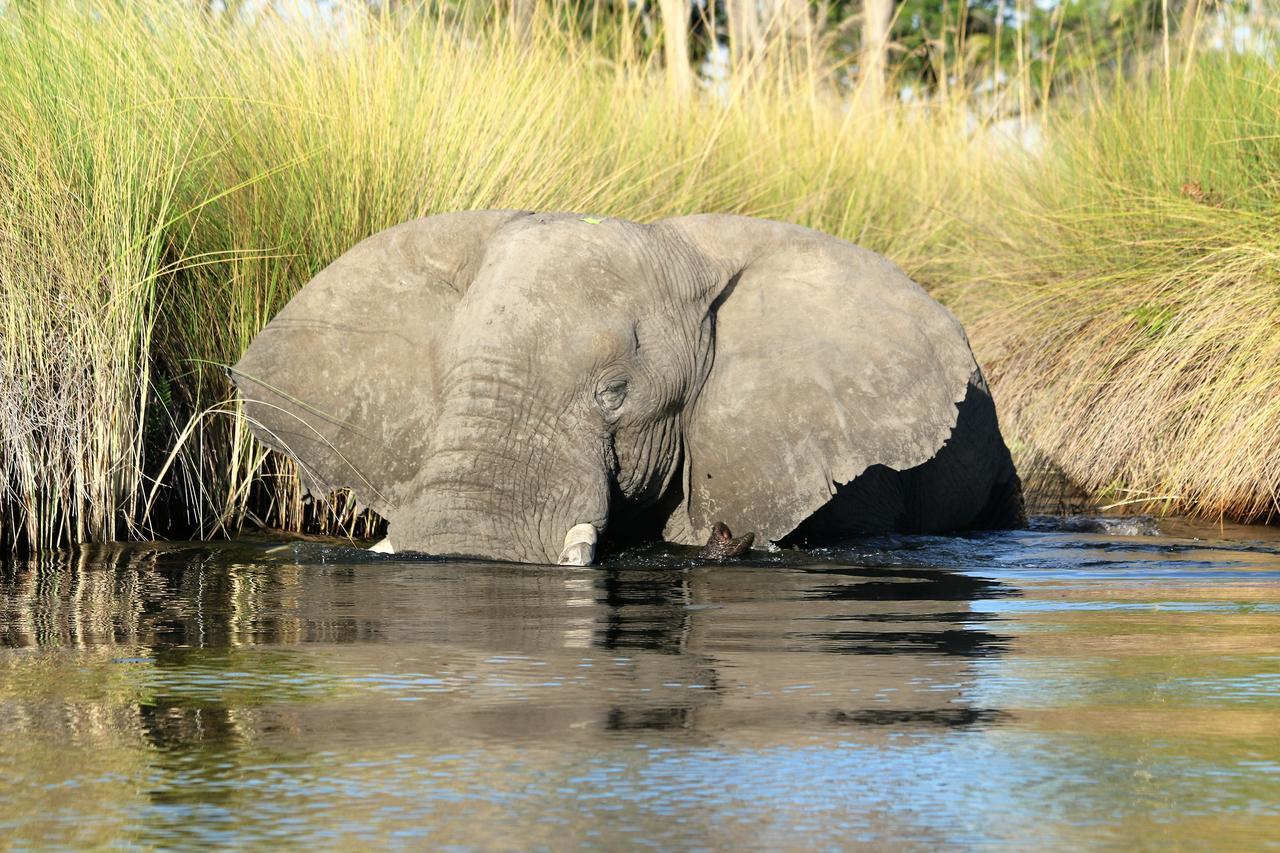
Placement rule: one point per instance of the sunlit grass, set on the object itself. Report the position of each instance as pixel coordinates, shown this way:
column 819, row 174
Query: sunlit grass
column 1128, row 305
column 169, row 181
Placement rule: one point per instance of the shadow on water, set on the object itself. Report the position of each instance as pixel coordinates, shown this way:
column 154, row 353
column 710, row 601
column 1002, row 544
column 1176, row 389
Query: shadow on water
column 913, row 585
column 941, row 717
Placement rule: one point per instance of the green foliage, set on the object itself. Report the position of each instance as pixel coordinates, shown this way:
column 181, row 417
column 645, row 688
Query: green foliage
column 1155, row 320
column 937, row 44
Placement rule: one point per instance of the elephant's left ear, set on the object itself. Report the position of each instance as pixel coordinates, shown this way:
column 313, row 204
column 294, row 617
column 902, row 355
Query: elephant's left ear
column 827, row 360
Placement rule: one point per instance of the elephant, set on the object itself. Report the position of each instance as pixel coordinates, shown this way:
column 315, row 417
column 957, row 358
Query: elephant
column 530, row 387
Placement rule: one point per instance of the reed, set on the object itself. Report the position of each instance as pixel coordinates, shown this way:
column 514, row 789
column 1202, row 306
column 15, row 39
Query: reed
column 168, row 180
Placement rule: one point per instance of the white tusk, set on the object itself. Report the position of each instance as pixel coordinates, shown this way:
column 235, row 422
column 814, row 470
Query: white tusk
column 579, row 545
column 383, row 547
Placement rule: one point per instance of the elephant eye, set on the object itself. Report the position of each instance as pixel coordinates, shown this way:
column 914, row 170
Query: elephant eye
column 612, row 394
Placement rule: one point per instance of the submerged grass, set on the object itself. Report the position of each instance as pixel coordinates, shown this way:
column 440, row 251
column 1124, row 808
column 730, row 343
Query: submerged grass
column 167, row 182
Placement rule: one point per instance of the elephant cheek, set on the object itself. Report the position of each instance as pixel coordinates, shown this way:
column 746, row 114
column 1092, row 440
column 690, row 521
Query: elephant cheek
column 580, row 518
column 647, row 460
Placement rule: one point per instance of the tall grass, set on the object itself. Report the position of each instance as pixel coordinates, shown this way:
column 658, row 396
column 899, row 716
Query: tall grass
column 1127, row 303
column 168, row 180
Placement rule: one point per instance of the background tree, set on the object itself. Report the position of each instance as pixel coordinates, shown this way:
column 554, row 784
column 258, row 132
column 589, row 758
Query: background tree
column 745, row 34
column 873, row 62
column 675, row 45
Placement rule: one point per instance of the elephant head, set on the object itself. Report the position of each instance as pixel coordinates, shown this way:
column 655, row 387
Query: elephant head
column 491, row 381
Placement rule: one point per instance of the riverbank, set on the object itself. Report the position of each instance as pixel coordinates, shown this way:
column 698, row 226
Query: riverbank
column 169, row 181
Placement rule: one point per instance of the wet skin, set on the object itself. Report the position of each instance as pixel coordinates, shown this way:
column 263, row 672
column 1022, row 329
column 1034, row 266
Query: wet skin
column 721, row 544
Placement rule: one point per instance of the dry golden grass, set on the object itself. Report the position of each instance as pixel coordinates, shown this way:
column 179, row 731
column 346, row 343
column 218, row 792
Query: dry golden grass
column 167, row 182
column 1129, row 314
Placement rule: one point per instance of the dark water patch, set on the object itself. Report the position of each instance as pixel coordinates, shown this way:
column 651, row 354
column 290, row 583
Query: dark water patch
column 947, row 718
column 965, row 616
column 878, row 584
column 970, row 643
column 621, row 719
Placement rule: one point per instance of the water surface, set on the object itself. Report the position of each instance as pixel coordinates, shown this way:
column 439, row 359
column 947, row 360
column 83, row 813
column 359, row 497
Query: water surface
column 1067, row 685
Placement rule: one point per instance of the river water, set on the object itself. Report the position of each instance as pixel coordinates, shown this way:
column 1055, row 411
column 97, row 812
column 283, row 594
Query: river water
column 1077, row 684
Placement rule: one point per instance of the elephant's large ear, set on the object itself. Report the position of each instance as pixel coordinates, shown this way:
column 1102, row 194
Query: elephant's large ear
column 827, row 360
column 341, row 380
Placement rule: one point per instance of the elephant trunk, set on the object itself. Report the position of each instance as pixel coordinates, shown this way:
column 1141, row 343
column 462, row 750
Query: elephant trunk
column 491, row 488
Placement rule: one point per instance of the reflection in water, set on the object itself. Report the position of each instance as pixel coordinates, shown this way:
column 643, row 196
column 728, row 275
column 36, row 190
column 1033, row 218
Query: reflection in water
column 927, row 689
column 952, row 717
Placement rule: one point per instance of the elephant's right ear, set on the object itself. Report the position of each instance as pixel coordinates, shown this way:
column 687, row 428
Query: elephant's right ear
column 341, row 380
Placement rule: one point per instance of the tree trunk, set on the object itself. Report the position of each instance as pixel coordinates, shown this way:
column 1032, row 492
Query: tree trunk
column 744, row 31
column 675, row 45
column 877, row 16
column 794, row 21
column 1190, row 12
column 522, row 12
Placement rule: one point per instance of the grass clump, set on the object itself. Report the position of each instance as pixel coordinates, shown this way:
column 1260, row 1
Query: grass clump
column 1129, row 310
column 168, row 180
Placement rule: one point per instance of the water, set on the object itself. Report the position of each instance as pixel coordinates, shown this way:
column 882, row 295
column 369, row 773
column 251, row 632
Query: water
column 1064, row 686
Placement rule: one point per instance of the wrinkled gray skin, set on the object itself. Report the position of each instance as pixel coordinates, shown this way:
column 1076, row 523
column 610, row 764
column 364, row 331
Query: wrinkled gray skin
column 487, row 381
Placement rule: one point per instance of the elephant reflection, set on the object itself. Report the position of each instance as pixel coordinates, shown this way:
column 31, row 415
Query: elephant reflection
column 678, row 647
column 828, row 645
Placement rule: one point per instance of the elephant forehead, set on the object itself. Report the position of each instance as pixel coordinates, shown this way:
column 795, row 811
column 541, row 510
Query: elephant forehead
column 588, row 259
column 540, row 329
column 568, row 290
